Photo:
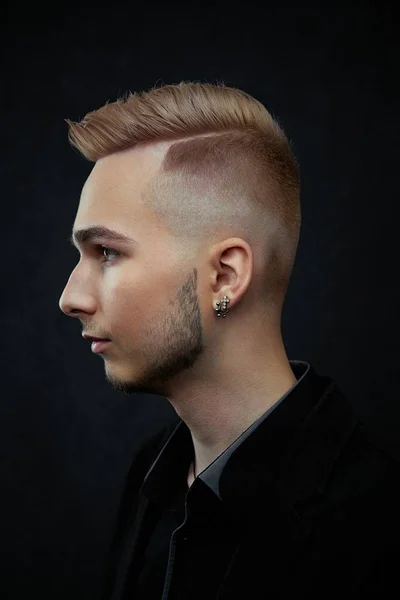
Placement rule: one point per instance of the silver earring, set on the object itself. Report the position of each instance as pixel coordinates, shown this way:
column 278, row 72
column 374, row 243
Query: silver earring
column 222, row 307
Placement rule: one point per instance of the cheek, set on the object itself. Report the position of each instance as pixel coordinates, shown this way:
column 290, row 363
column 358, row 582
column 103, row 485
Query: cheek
column 129, row 305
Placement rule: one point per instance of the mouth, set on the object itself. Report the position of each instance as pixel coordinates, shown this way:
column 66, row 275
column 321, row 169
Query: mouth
column 92, row 338
column 98, row 344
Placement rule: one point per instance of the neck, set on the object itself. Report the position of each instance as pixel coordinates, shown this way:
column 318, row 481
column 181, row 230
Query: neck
column 243, row 373
column 219, row 422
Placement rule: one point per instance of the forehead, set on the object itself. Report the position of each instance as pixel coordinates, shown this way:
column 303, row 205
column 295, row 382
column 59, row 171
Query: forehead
column 112, row 193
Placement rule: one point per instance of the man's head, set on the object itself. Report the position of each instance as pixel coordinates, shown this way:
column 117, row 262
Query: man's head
column 204, row 183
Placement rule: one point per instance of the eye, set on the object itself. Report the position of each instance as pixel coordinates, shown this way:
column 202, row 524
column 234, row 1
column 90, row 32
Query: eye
column 105, row 249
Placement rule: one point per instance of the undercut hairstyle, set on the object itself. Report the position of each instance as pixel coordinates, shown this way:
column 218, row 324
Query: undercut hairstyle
column 229, row 170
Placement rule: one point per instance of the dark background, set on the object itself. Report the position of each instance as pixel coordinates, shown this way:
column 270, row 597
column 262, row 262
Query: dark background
column 330, row 73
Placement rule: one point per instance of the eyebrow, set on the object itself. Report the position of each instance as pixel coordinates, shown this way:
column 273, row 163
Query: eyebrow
column 83, row 236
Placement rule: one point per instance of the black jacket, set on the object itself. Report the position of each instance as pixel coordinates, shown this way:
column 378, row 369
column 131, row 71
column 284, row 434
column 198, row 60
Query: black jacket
column 308, row 508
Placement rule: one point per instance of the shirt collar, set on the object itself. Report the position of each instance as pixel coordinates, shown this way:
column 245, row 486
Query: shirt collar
column 251, row 461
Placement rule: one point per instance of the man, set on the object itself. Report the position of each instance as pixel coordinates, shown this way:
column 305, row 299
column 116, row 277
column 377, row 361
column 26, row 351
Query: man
column 267, row 486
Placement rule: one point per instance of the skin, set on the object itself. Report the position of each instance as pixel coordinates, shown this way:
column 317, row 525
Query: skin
column 156, row 304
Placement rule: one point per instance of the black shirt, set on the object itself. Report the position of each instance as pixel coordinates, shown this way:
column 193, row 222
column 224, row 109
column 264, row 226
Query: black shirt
column 153, row 568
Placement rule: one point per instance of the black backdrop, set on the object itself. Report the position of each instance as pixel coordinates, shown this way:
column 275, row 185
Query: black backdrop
column 330, row 74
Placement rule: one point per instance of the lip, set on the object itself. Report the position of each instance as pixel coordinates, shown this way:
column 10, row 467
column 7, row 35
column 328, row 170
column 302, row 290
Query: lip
column 99, row 345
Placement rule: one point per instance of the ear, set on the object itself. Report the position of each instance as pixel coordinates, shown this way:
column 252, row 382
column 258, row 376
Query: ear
column 232, row 270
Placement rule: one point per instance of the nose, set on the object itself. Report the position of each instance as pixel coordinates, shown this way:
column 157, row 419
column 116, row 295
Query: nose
column 75, row 300
column 66, row 305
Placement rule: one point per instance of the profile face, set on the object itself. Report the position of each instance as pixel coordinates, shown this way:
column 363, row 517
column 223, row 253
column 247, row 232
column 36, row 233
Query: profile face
column 140, row 294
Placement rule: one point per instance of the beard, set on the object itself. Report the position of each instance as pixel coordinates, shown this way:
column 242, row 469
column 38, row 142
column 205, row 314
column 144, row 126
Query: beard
column 172, row 345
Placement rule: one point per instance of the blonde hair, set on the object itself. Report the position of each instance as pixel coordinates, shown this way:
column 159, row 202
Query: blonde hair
column 229, row 170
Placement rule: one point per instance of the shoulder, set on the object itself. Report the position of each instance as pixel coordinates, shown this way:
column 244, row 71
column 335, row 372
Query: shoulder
column 366, row 465
column 357, row 460
column 361, row 494
column 358, row 478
